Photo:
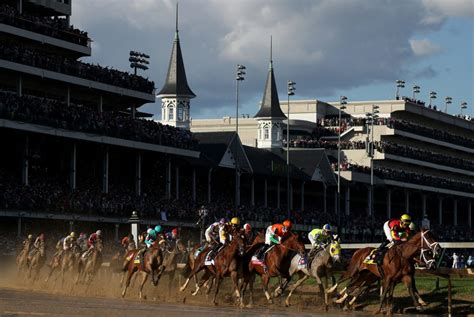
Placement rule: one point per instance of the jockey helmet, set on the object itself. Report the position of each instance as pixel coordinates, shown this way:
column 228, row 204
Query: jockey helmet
column 405, row 220
column 158, row 229
column 30, row 236
column 174, row 231
column 235, row 221
column 247, row 227
column 149, row 230
column 327, row 228
column 222, row 221
column 98, row 232
column 287, row 223
column 72, row 234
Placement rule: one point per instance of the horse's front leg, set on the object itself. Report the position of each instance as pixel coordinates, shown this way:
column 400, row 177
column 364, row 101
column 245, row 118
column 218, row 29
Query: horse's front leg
column 386, row 288
column 140, row 292
column 265, row 281
column 294, row 287
column 218, row 284
column 235, row 282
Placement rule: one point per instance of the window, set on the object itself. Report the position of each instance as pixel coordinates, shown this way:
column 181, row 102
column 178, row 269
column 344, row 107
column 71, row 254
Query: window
column 180, row 113
column 171, row 113
column 266, row 134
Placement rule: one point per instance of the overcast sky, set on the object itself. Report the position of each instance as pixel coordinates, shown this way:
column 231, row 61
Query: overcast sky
column 356, row 48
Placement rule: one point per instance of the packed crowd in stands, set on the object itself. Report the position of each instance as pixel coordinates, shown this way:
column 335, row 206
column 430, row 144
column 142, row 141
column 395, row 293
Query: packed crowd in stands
column 62, row 64
column 309, row 142
column 431, row 133
column 413, row 100
column 57, row 28
column 414, row 178
column 411, row 152
column 57, row 114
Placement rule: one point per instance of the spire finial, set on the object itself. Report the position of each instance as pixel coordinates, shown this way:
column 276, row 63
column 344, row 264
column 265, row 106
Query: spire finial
column 271, row 51
column 176, row 34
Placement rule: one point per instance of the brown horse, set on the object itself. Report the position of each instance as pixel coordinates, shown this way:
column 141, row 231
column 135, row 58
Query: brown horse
column 22, row 257
column 36, row 260
column 170, row 261
column 278, row 261
column 152, row 264
column 66, row 261
column 226, row 263
column 398, row 266
column 90, row 265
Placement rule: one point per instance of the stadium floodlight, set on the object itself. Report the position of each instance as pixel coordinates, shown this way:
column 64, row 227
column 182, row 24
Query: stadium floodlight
column 138, row 60
column 432, row 96
column 342, row 106
column 238, row 78
column 463, row 106
column 416, row 90
column 290, row 92
column 400, row 84
column 447, row 101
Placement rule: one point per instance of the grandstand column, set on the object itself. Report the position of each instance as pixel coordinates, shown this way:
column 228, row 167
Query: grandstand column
column 324, row 197
column 71, row 226
column 19, row 88
column 18, row 230
column 407, row 201
column 265, row 193
column 335, row 201
column 101, row 103
column 138, row 174
column 278, row 194
column 194, row 184
column 348, row 201
column 72, row 176
column 455, row 212
column 209, row 179
column 369, row 200
column 291, row 196
column 440, row 210
column 302, row 196
column 26, row 163
column 237, row 188
column 117, row 232
column 389, row 203
column 19, row 6
column 469, row 214
column 423, row 206
column 68, row 96
column 168, row 180
column 177, row 182
column 105, row 171
column 252, row 192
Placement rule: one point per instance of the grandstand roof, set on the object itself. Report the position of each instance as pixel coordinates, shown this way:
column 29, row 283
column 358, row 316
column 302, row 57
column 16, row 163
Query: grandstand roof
column 314, row 163
column 176, row 82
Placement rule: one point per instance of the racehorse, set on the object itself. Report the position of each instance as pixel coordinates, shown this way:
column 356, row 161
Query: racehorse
column 36, row 261
column 278, row 260
column 66, row 261
column 170, row 261
column 89, row 265
column 152, row 264
column 320, row 265
column 398, row 266
column 22, row 257
column 226, row 263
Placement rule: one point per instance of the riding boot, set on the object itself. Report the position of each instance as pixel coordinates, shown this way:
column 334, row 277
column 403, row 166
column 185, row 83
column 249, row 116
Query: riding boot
column 380, row 252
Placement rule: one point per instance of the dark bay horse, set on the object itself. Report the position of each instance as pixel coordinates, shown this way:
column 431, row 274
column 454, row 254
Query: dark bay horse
column 398, row 266
column 66, row 262
column 172, row 253
column 22, row 257
column 36, row 261
column 278, row 261
column 152, row 264
column 90, row 265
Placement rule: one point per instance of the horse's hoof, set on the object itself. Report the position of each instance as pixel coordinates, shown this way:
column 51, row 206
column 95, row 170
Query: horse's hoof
column 184, row 300
column 181, row 289
column 287, row 304
column 420, row 308
column 249, row 306
column 215, row 304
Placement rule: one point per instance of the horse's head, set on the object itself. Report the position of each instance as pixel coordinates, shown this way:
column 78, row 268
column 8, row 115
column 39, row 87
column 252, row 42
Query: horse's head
column 238, row 237
column 180, row 246
column 335, row 250
column 429, row 248
column 295, row 243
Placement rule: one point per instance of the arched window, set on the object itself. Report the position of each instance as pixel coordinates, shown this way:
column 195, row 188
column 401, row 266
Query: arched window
column 171, row 113
column 265, row 134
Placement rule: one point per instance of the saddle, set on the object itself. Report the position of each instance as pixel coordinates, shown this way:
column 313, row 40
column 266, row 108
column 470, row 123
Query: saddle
column 211, row 255
column 259, row 257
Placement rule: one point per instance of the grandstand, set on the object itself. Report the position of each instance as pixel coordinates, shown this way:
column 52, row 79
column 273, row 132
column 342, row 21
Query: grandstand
column 78, row 148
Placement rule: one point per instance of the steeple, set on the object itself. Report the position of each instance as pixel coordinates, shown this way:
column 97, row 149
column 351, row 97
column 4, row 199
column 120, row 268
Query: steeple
column 270, row 117
column 176, row 94
column 270, row 107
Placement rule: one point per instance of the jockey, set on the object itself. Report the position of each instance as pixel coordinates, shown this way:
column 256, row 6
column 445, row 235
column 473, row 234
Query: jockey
column 212, row 233
column 82, row 241
column 128, row 243
column 320, row 237
column 93, row 238
column 248, row 233
column 69, row 241
column 27, row 242
column 38, row 245
column 172, row 235
column 149, row 241
column 396, row 231
column 274, row 234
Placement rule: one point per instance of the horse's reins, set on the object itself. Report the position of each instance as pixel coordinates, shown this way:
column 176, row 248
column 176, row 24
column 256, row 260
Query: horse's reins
column 431, row 247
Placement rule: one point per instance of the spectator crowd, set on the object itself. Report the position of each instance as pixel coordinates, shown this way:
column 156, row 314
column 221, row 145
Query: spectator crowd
column 57, row 114
column 16, row 53
column 57, row 28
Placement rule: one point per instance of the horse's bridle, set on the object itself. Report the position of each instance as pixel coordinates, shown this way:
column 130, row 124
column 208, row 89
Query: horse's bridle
column 433, row 247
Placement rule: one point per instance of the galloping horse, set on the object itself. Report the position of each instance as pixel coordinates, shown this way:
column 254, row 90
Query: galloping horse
column 22, row 257
column 320, row 265
column 278, row 261
column 152, row 264
column 398, row 266
column 66, row 262
column 90, row 265
column 36, row 261
column 170, row 261
column 226, row 263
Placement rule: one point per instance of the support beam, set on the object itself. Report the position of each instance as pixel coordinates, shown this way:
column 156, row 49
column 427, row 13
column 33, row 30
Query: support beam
column 19, row 87
column 209, row 179
column 117, row 232
column 291, row 196
column 369, row 200
column 389, row 203
column 194, row 185
column 325, row 205
column 68, row 96
column 105, row 171
column 455, row 212
column 72, row 168
column 18, row 228
column 347, row 204
column 168, row 180
column 469, row 214
column 423, row 206
column 71, row 226
column 19, row 6
column 138, row 174
column 252, row 192
column 440, row 210
column 100, row 106
column 177, row 182
column 407, row 201
column 265, row 194
column 278, row 194
column 25, row 170
column 237, row 188
column 335, row 201
column 302, row 196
